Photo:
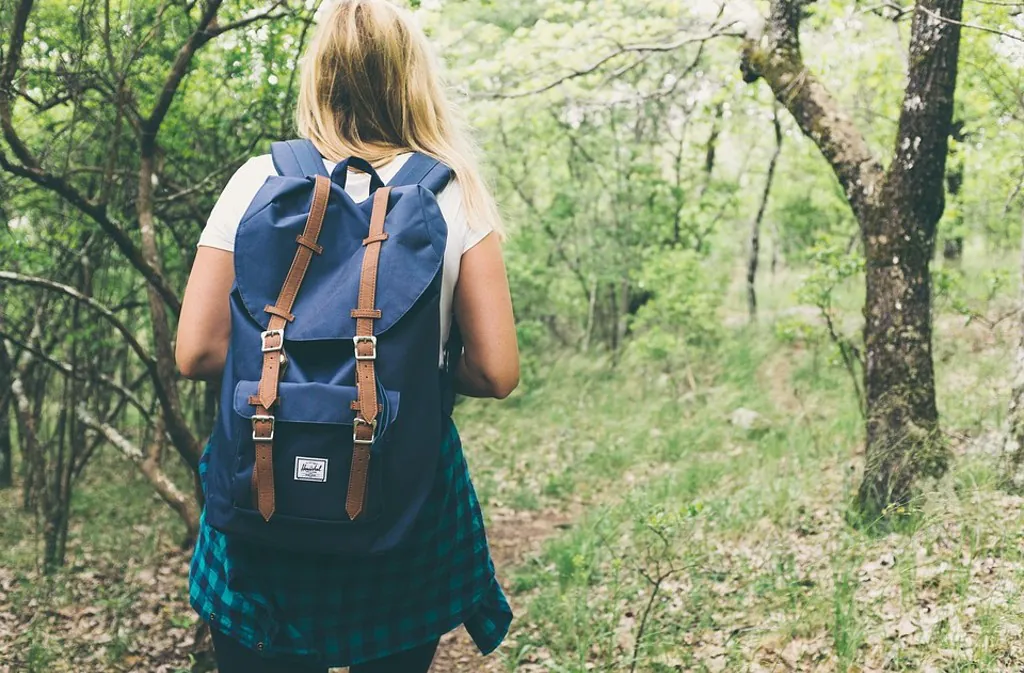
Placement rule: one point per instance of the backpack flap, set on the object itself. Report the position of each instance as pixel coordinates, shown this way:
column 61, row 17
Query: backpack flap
column 409, row 262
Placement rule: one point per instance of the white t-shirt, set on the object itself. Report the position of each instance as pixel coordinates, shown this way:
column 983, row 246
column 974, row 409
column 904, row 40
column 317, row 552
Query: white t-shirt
column 247, row 180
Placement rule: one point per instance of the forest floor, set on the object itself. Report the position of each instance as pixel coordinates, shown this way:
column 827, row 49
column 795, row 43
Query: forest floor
column 706, row 526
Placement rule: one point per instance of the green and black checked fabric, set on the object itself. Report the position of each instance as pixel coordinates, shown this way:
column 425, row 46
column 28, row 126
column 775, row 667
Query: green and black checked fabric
column 346, row 611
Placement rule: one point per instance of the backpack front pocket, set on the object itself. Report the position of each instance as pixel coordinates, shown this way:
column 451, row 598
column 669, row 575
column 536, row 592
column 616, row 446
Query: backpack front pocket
column 311, row 450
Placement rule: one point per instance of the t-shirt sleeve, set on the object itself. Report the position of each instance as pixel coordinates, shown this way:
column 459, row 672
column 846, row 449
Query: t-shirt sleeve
column 454, row 210
column 233, row 202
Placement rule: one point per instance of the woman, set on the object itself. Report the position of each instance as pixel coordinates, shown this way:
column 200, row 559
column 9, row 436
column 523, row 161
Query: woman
column 369, row 88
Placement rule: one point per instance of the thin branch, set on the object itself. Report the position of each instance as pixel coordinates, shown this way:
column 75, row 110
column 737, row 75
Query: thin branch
column 210, row 180
column 294, row 70
column 972, row 26
column 644, row 49
column 68, row 370
column 259, row 15
column 164, row 486
column 850, row 354
column 95, row 212
column 67, row 290
column 199, row 37
column 648, row 609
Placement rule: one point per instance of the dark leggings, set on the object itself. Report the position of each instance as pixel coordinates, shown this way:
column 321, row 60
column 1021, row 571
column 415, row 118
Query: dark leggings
column 233, row 657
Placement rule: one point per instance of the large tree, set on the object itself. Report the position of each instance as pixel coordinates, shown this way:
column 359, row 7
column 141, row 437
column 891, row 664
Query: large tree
column 898, row 208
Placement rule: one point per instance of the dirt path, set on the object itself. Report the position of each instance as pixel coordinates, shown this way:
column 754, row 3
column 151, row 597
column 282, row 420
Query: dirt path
column 514, row 536
column 78, row 633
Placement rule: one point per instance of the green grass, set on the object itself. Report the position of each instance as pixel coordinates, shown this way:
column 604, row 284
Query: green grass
column 694, row 544
column 766, row 574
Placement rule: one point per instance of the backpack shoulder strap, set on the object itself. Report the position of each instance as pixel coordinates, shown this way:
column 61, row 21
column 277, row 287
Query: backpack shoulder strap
column 365, row 424
column 272, row 345
column 297, row 158
column 420, row 169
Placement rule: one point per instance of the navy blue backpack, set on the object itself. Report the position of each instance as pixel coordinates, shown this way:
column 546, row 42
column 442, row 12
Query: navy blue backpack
column 333, row 403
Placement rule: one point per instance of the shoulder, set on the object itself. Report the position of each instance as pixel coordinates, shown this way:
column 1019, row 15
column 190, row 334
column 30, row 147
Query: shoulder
column 451, row 196
column 246, row 181
column 461, row 233
column 256, row 169
column 450, row 201
column 234, row 200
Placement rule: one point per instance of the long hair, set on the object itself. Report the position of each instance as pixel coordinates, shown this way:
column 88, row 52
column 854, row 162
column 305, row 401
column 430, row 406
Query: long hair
column 370, row 88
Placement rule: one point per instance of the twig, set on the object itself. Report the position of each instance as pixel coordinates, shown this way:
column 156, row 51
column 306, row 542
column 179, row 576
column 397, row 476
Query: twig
column 647, row 613
column 258, row 15
column 997, row 3
column 851, row 357
column 972, row 26
column 68, row 370
column 67, row 290
column 645, row 49
column 164, row 486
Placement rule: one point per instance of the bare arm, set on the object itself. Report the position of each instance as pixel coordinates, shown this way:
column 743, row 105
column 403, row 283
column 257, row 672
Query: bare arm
column 205, row 323
column 489, row 366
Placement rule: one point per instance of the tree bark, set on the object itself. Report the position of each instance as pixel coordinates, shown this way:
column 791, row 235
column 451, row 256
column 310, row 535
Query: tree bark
column 755, row 227
column 898, row 211
column 174, row 420
column 899, row 239
column 6, row 448
column 31, row 450
column 953, row 246
column 711, row 148
column 1013, row 450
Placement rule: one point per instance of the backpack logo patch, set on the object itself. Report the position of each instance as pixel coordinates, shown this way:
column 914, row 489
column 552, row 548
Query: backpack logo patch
column 310, row 469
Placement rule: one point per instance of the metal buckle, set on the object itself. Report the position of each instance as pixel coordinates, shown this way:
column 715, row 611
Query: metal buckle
column 261, row 417
column 359, row 420
column 279, row 333
column 372, row 340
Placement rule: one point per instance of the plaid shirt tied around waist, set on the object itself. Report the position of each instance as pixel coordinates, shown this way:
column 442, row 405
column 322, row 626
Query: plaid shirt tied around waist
column 346, row 611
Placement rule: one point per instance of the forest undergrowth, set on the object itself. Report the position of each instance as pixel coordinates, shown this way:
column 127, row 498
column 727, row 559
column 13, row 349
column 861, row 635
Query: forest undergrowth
column 645, row 516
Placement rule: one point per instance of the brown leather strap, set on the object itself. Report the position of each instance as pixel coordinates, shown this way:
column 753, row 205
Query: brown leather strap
column 365, row 345
column 273, row 310
column 272, row 344
column 312, row 245
column 374, row 239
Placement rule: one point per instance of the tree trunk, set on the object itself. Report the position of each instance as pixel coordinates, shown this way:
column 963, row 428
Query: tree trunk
column 177, row 426
column 953, row 246
column 54, row 524
column 6, row 450
column 953, row 249
column 711, row 148
column 755, row 228
column 898, row 211
column 903, row 439
column 1013, row 451
column 902, row 419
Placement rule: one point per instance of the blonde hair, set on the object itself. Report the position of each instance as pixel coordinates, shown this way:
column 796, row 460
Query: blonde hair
column 369, row 87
